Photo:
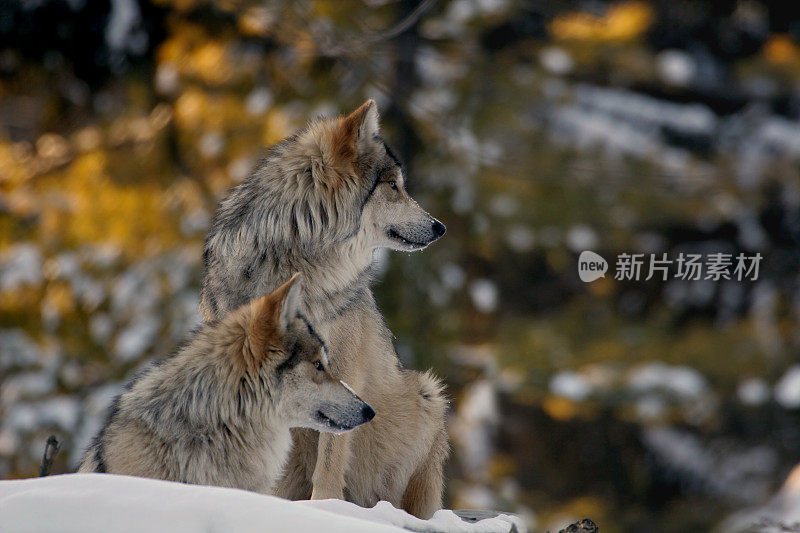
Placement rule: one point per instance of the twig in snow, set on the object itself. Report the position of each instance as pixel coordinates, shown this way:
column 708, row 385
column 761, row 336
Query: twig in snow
column 584, row 526
column 50, row 451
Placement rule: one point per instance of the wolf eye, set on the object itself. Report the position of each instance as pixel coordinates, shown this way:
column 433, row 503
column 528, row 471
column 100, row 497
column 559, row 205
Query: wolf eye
column 318, row 366
column 392, row 184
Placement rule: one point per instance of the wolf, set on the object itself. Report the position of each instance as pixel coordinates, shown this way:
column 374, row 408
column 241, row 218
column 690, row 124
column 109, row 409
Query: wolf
column 219, row 411
column 320, row 203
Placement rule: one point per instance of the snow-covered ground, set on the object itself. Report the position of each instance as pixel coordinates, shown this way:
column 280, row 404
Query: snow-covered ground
column 96, row 503
column 780, row 514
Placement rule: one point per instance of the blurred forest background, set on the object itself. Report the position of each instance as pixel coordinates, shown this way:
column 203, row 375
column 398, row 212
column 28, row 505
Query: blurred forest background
column 533, row 130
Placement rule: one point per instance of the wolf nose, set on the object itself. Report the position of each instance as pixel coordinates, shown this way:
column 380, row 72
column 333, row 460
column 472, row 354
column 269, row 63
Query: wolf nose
column 368, row 412
column 438, row 229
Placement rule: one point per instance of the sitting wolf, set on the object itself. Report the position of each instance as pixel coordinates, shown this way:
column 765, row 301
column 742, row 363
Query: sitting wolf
column 218, row 411
column 320, row 203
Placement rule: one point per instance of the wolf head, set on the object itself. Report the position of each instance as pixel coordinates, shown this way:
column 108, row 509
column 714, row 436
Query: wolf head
column 280, row 345
column 321, row 202
column 338, row 181
column 390, row 217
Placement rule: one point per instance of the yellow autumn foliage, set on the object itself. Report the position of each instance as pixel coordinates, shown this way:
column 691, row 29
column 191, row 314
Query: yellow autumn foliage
column 277, row 125
column 196, row 55
column 781, row 50
column 95, row 209
column 196, row 109
column 559, row 408
column 501, row 466
column 256, row 21
column 622, row 22
column 59, row 298
column 209, row 62
column 13, row 171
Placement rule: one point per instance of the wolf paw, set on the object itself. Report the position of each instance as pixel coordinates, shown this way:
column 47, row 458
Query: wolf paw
column 320, row 493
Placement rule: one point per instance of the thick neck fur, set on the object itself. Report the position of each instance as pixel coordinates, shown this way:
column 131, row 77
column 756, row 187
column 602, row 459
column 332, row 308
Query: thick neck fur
column 333, row 277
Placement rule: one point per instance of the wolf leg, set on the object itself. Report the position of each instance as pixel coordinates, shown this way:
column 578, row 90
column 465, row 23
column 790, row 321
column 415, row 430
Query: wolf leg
column 333, row 455
column 423, row 495
column 295, row 483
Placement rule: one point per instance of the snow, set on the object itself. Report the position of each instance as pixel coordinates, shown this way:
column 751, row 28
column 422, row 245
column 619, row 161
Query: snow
column 167, row 79
column 443, row 520
column 623, row 122
column 135, row 339
column 556, row 60
column 20, row 265
column 17, row 349
column 453, row 276
column 26, row 385
column 753, row 391
column 581, row 238
column 101, row 327
column 618, row 103
column 211, row 144
column 719, row 466
column 122, row 30
column 437, row 69
column 787, row 390
column 87, row 503
column 61, row 411
column 682, row 381
column 676, row 67
column 520, row 238
column 484, row 295
column 239, row 168
column 504, row 205
column 258, row 101
column 95, row 409
column 474, row 425
column 778, row 515
column 571, row 385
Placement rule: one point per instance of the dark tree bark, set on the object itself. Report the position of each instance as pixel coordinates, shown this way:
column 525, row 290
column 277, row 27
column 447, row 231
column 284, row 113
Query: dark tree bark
column 406, row 140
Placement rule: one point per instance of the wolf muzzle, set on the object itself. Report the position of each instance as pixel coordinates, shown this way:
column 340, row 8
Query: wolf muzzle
column 337, row 420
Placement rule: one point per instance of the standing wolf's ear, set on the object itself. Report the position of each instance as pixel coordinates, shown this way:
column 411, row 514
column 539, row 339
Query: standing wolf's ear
column 367, row 116
column 289, row 299
column 356, row 130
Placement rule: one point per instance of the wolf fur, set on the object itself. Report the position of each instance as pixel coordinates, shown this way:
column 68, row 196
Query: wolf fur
column 218, row 412
column 320, row 203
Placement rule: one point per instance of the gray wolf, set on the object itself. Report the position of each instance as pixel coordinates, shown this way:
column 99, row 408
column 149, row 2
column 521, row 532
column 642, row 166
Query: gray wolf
column 218, row 411
column 320, row 203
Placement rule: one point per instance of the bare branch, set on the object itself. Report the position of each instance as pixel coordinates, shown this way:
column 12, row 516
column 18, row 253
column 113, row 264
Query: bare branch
column 404, row 24
column 50, row 451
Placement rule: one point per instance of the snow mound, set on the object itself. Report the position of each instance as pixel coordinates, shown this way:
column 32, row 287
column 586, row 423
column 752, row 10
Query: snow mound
column 93, row 503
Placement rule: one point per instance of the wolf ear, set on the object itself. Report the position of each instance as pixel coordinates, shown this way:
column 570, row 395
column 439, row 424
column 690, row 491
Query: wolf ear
column 288, row 298
column 356, row 130
column 267, row 319
column 367, row 116
column 276, row 311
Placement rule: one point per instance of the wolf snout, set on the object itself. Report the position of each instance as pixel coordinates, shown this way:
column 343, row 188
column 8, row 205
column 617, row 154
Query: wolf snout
column 339, row 418
column 416, row 235
column 438, row 229
column 368, row 412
